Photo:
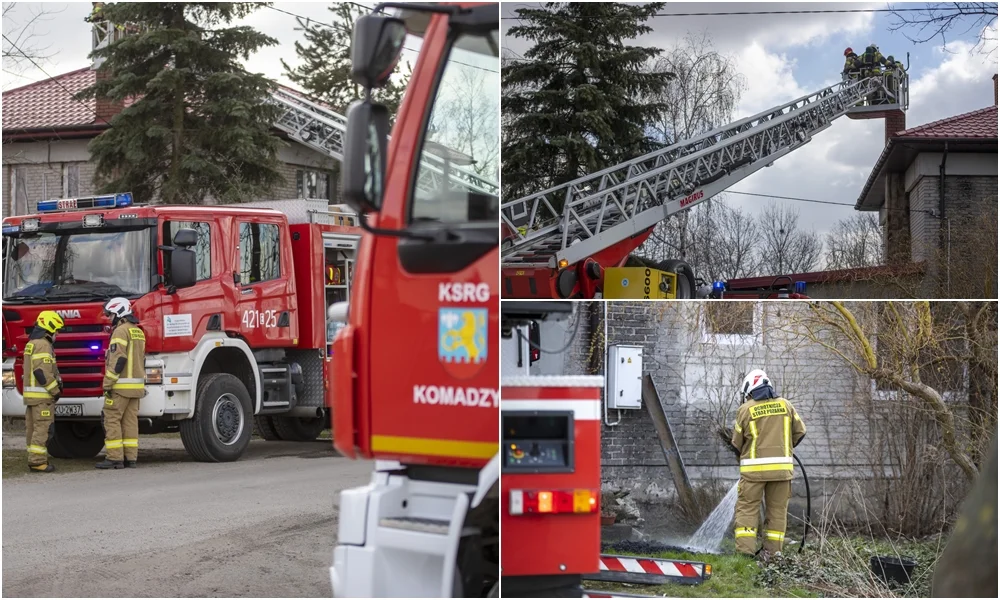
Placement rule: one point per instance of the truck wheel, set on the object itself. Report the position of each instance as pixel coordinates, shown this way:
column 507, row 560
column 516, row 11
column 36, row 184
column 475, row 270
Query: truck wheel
column 266, row 429
column 221, row 426
column 685, row 277
column 75, row 439
column 294, row 429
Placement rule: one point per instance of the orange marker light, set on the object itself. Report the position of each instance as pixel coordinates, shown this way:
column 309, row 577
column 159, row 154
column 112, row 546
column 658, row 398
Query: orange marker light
column 583, row 501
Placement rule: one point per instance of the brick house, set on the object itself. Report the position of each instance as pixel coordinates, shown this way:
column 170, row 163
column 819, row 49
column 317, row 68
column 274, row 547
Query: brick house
column 935, row 187
column 697, row 362
column 45, row 156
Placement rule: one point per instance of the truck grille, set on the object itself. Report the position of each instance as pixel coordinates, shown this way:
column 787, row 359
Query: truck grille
column 79, row 353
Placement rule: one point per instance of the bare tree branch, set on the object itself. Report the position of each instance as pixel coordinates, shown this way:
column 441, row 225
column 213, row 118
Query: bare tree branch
column 940, row 20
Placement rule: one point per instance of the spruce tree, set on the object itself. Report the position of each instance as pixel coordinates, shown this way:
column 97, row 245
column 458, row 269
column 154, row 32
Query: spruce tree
column 325, row 72
column 580, row 98
column 199, row 125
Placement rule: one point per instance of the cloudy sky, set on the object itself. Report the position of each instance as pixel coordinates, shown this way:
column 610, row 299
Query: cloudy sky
column 65, row 37
column 787, row 56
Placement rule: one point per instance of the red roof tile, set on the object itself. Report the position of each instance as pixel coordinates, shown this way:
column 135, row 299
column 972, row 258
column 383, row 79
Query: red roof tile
column 47, row 104
column 980, row 123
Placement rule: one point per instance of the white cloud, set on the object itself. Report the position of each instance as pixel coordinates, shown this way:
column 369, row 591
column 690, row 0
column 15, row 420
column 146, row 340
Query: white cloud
column 769, row 80
column 961, row 82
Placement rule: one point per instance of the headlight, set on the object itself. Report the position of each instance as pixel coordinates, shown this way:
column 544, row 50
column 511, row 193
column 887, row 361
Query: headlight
column 8, row 378
column 154, row 376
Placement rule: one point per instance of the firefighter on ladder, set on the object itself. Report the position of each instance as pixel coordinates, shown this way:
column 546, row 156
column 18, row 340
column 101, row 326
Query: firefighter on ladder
column 124, row 385
column 42, row 388
column 767, row 428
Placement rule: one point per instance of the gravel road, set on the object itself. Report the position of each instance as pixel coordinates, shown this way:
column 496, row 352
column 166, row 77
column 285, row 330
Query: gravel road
column 264, row 526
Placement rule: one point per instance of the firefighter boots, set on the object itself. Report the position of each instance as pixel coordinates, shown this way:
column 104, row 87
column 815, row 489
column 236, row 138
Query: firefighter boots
column 45, row 468
column 110, row 464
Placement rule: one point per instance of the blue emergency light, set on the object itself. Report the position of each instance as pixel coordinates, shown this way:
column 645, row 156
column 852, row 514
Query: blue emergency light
column 718, row 286
column 109, row 201
column 800, row 287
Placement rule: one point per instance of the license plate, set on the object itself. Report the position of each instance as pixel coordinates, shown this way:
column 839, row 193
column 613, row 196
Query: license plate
column 69, row 410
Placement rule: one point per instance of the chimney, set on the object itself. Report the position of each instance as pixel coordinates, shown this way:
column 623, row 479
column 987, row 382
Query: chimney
column 895, row 121
column 994, row 89
column 102, row 33
column 105, row 108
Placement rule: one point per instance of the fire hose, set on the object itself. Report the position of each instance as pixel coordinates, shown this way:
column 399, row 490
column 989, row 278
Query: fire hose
column 805, row 530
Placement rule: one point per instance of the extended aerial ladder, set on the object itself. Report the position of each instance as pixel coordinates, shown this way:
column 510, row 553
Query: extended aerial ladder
column 557, row 243
column 322, row 129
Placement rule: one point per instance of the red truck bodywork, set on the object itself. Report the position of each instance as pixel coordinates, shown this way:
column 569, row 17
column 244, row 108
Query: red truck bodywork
column 80, row 346
column 555, row 544
column 389, row 348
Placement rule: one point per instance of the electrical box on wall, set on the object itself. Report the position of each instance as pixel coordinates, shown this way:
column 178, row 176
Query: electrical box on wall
column 625, row 377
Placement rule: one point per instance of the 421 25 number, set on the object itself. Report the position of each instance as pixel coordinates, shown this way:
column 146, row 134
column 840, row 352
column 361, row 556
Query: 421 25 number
column 252, row 319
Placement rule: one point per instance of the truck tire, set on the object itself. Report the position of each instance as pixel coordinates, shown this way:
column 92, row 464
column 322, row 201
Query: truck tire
column 75, row 439
column 685, row 277
column 266, row 429
column 221, row 427
column 295, row 429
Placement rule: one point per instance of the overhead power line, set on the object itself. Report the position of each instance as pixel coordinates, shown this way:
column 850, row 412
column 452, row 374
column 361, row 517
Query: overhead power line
column 775, row 12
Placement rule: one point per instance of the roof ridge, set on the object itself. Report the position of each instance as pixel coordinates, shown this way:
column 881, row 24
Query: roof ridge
column 944, row 121
column 44, row 81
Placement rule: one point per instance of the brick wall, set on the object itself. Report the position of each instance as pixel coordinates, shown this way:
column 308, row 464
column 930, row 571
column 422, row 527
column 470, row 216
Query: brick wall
column 42, row 166
column 43, row 182
column 970, row 206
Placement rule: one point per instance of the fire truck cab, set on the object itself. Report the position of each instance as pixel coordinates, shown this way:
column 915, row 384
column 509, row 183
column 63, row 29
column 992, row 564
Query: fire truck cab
column 232, row 300
column 415, row 367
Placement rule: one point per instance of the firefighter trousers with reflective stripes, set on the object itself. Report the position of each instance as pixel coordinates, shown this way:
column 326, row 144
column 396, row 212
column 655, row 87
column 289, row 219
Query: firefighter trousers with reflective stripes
column 37, row 420
column 775, row 495
column 121, row 427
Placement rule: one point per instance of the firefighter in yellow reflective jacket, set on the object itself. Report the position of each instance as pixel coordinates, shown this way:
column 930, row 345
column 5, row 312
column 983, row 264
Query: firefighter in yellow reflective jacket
column 767, row 428
column 42, row 388
column 124, row 385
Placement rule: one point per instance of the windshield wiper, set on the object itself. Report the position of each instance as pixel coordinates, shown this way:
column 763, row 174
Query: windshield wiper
column 85, row 291
column 25, row 299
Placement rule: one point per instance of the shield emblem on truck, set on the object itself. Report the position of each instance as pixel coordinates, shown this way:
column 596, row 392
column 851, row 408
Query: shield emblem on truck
column 462, row 343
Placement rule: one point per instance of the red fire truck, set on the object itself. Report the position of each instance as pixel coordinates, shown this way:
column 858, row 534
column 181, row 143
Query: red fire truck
column 415, row 381
column 232, row 299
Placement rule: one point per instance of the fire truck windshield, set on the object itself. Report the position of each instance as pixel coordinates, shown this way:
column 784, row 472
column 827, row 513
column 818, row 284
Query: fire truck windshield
column 76, row 266
column 460, row 162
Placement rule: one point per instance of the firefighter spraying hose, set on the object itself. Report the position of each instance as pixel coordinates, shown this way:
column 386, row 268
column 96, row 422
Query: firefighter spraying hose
column 767, row 428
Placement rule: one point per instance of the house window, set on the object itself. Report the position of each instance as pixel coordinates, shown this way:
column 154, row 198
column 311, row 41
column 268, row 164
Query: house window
column 71, row 181
column 260, row 253
column 312, row 184
column 730, row 322
column 19, row 190
column 202, row 248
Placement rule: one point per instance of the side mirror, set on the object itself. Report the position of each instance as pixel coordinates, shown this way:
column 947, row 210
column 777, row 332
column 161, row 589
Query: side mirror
column 185, row 238
column 363, row 171
column 375, row 48
column 182, row 266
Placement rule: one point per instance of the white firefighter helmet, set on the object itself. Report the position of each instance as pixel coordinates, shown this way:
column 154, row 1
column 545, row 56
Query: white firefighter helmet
column 118, row 307
column 755, row 379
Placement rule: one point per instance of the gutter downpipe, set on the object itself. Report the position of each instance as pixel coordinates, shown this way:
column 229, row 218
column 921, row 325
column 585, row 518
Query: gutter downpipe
column 941, row 175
